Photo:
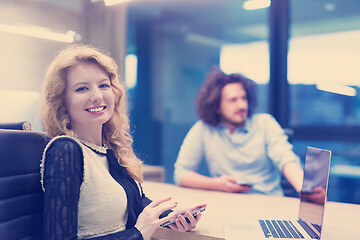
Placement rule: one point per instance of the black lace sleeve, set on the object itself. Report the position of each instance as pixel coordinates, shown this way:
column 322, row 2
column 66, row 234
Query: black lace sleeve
column 62, row 180
column 63, row 175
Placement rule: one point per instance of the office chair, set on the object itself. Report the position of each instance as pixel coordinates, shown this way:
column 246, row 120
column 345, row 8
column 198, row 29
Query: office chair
column 16, row 126
column 21, row 196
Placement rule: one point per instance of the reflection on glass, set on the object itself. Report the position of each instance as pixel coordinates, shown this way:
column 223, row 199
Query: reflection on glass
column 313, row 193
column 326, row 93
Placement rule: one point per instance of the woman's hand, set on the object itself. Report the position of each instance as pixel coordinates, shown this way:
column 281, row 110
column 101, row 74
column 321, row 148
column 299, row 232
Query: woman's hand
column 148, row 219
column 183, row 225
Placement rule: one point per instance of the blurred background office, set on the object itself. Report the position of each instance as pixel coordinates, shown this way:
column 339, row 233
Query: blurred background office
column 303, row 54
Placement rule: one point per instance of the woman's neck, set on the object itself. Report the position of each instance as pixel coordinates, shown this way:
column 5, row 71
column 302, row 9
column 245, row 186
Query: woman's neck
column 91, row 135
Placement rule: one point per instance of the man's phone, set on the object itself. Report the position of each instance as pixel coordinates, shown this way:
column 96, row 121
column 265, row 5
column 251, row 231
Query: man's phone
column 307, row 192
column 194, row 213
column 245, row 185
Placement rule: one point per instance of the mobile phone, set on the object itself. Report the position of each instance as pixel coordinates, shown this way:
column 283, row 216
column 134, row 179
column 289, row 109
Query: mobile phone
column 307, row 192
column 194, row 213
column 245, row 185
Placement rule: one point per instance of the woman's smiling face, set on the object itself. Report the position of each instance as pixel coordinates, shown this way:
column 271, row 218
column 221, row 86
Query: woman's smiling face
column 89, row 98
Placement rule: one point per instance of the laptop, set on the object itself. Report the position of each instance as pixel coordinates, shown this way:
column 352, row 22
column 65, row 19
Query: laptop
column 311, row 209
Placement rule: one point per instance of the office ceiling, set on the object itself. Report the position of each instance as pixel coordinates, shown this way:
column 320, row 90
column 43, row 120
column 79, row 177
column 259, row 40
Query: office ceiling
column 227, row 21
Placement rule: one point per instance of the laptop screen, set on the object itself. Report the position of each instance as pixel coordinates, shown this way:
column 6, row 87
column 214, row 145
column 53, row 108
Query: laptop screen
column 314, row 189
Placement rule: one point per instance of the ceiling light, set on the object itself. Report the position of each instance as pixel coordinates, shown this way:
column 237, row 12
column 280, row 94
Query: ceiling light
column 131, row 63
column 256, row 4
column 330, row 7
column 337, row 88
column 202, row 39
column 39, row 32
column 113, row 2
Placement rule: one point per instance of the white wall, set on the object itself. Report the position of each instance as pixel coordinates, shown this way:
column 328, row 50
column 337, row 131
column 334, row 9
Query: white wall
column 23, row 59
column 18, row 106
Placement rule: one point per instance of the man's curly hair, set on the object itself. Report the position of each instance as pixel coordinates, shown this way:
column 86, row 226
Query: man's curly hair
column 208, row 100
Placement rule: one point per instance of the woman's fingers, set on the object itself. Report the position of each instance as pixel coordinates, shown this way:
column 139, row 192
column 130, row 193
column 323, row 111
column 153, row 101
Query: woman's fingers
column 156, row 208
column 169, row 217
column 182, row 223
column 162, row 205
column 199, row 206
column 179, row 224
column 192, row 221
column 158, row 202
column 186, row 222
column 198, row 216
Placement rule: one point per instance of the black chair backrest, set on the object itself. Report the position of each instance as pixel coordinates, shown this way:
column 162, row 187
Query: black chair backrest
column 16, row 126
column 21, row 196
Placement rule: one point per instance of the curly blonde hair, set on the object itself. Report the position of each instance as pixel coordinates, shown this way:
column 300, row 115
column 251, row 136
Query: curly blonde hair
column 56, row 120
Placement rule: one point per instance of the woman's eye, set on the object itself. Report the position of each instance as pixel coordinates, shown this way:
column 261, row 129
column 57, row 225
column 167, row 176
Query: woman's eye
column 104, row 85
column 80, row 89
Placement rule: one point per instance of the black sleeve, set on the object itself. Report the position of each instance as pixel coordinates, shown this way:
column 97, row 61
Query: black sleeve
column 63, row 175
column 130, row 234
column 144, row 200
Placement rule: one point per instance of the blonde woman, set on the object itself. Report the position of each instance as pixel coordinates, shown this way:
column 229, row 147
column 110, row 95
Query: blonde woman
column 90, row 174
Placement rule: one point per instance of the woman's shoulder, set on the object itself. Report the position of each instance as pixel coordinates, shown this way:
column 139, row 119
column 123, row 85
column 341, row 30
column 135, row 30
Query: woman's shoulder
column 64, row 148
column 62, row 141
column 62, row 145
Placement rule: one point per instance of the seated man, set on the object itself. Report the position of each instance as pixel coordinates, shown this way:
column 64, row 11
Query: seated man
column 245, row 152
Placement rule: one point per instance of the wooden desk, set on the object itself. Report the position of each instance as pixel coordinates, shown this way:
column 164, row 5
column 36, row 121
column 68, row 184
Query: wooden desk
column 341, row 221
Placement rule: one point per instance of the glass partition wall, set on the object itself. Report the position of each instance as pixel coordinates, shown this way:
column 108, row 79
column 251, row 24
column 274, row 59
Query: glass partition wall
column 177, row 43
column 295, row 61
column 324, row 80
column 303, row 54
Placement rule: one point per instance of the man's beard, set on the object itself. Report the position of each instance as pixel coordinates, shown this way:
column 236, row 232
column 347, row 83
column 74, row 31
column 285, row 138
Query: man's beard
column 235, row 124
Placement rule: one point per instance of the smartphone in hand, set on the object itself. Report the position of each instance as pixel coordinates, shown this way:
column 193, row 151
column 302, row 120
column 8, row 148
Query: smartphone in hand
column 194, row 213
column 245, row 185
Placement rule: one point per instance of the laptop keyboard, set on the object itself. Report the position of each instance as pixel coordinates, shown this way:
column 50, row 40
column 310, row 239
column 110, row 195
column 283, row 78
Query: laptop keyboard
column 285, row 229
column 317, row 226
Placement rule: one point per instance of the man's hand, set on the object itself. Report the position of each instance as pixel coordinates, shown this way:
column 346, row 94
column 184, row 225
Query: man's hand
column 317, row 196
column 228, row 183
